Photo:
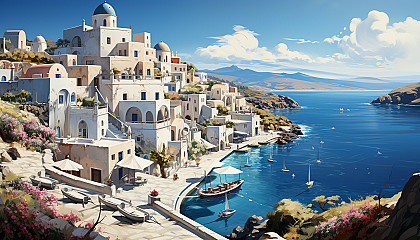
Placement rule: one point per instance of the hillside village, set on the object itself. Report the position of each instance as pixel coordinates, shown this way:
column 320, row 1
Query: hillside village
column 109, row 94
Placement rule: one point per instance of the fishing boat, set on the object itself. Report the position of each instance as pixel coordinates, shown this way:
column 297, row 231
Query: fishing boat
column 42, row 182
column 112, row 202
column 310, row 183
column 227, row 212
column 133, row 213
column 220, row 190
column 271, row 156
column 318, row 160
column 254, row 145
column 75, row 196
column 247, row 161
column 284, row 169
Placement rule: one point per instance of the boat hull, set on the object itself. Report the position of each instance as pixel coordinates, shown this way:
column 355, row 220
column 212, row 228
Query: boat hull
column 204, row 195
column 140, row 216
column 269, row 160
column 111, row 204
column 43, row 183
column 77, row 199
column 226, row 213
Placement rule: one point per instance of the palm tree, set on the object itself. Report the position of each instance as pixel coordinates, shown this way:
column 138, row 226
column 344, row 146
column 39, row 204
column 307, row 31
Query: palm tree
column 162, row 159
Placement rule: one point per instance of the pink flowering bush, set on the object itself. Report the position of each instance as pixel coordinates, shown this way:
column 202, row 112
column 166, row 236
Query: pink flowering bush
column 348, row 223
column 28, row 132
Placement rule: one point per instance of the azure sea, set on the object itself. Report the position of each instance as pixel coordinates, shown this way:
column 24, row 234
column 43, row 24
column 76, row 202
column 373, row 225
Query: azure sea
column 359, row 148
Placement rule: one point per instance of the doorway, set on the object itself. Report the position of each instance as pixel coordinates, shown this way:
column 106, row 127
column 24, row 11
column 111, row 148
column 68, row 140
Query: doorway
column 96, row 175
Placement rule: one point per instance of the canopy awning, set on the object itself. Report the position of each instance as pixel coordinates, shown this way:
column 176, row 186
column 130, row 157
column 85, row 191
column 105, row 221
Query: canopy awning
column 209, row 145
column 134, row 162
column 240, row 133
column 68, row 165
column 227, row 170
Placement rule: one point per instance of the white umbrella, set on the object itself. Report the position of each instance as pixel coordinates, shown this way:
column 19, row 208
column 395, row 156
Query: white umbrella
column 227, row 170
column 218, row 164
column 68, row 165
column 134, row 162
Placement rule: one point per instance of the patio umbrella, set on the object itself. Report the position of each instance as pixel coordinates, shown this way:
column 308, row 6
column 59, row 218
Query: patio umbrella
column 227, row 170
column 68, row 165
column 218, row 164
column 134, row 162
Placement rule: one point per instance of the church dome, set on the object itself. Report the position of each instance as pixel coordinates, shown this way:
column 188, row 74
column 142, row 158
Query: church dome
column 161, row 46
column 39, row 39
column 104, row 8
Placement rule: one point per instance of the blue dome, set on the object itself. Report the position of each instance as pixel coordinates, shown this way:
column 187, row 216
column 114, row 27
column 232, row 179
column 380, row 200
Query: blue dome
column 104, row 8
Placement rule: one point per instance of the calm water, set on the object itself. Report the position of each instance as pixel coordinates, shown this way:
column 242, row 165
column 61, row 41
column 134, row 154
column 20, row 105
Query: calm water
column 350, row 164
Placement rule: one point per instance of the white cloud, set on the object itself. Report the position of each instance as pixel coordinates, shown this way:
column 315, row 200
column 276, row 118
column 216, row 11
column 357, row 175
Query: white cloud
column 332, row 39
column 243, row 45
column 376, row 42
column 301, row 40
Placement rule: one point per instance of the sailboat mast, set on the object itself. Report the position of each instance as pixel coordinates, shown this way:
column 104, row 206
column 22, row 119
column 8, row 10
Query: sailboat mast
column 284, row 164
column 318, row 154
column 247, row 158
column 227, row 203
column 309, row 172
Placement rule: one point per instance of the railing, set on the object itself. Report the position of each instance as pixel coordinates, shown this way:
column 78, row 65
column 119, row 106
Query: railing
column 118, row 124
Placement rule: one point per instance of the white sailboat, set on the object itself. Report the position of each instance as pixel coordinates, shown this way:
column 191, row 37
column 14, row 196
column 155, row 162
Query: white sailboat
column 310, row 183
column 227, row 212
column 247, row 161
column 318, row 160
column 284, row 169
column 271, row 156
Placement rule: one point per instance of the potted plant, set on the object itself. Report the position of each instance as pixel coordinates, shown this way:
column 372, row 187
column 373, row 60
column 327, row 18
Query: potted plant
column 153, row 197
column 109, row 182
column 197, row 161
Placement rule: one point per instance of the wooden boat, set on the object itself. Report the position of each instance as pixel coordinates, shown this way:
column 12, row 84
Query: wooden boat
column 75, row 196
column 42, row 182
column 112, row 202
column 133, row 213
column 220, row 190
column 227, row 212
column 254, row 145
column 263, row 143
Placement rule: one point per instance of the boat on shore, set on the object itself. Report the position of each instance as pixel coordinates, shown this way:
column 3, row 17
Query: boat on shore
column 133, row 213
column 220, row 190
column 42, row 182
column 75, row 196
column 112, row 202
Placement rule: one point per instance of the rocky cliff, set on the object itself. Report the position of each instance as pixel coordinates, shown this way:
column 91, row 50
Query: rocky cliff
column 408, row 94
column 264, row 100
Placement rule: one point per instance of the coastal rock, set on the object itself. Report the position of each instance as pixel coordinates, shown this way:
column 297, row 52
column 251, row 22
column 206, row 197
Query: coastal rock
column 271, row 235
column 264, row 100
column 5, row 157
column 404, row 222
column 14, row 153
column 408, row 94
column 253, row 229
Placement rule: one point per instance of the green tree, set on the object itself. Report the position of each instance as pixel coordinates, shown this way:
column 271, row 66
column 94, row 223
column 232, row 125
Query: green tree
column 321, row 202
column 162, row 159
column 8, row 97
column 191, row 88
column 24, row 96
column 222, row 110
column 230, row 124
column 195, row 150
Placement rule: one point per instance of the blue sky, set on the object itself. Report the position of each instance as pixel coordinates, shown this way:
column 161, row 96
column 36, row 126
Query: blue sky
column 254, row 34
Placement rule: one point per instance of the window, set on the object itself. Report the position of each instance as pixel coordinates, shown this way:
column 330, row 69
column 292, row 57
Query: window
column 103, row 132
column 90, row 62
column 120, row 156
column 108, row 40
column 202, row 100
column 175, row 68
column 105, row 22
column 157, row 96
column 160, row 58
column 143, row 95
column 60, row 99
column 61, row 62
column 74, row 62
column 119, row 52
column 3, row 78
column 129, row 151
column 113, row 156
column 125, row 96
column 57, row 75
column 136, row 53
column 188, row 106
column 102, row 122
column 245, row 126
column 148, row 72
column 138, row 139
column 79, row 82
column 195, row 101
column 195, row 109
column 147, row 52
column 125, row 52
column 123, row 39
column 95, row 23
column 134, row 117
column 73, row 97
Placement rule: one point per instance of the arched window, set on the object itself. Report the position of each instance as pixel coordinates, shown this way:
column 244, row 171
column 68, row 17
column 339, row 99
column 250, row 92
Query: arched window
column 76, row 42
column 172, row 135
column 73, row 97
column 83, row 133
column 105, row 22
column 149, row 117
column 3, row 78
column 74, row 62
column 160, row 58
column 133, row 115
column 95, row 24
column 114, row 24
column 160, row 116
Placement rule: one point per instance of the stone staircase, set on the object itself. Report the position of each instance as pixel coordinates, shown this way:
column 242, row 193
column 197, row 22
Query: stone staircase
column 113, row 131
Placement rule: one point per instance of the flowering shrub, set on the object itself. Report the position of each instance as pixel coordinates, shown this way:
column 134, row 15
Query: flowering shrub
column 348, row 223
column 109, row 182
column 28, row 132
column 154, row 193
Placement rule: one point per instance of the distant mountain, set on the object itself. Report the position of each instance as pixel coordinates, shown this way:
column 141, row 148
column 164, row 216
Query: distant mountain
column 267, row 81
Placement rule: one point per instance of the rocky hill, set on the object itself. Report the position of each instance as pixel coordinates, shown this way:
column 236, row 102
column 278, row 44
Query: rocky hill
column 264, row 100
column 408, row 94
